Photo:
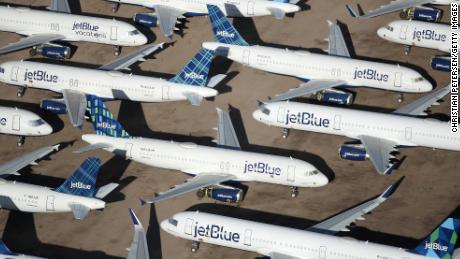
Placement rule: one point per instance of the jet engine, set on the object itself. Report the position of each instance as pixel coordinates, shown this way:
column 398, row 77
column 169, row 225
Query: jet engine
column 422, row 14
column 354, row 152
column 223, row 194
column 441, row 63
column 56, row 106
column 52, row 51
column 335, row 96
column 146, row 19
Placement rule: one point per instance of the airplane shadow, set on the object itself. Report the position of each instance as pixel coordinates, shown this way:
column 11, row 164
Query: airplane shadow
column 153, row 235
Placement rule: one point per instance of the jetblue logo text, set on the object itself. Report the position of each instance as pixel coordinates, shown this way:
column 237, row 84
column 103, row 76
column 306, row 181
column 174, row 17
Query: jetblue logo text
column 88, row 30
column 216, row 232
column 261, row 168
column 306, row 118
column 225, row 34
column 79, row 185
column 193, row 75
column 40, row 75
column 3, row 121
column 370, row 74
column 435, row 246
column 106, row 125
column 429, row 35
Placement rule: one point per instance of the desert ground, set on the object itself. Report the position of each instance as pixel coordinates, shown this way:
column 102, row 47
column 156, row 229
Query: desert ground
column 427, row 195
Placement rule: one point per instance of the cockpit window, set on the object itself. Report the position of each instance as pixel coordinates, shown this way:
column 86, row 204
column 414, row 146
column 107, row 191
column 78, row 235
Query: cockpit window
column 266, row 111
column 135, row 32
column 418, row 79
column 388, row 27
column 172, row 222
column 310, row 173
column 35, row 123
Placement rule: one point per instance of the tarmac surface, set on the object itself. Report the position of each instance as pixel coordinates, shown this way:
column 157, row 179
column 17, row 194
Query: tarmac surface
column 428, row 194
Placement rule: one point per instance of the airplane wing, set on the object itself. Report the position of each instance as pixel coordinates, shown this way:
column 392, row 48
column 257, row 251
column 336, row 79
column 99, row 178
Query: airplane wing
column 311, row 86
column 337, row 45
column 200, row 181
column 379, row 153
column 13, row 166
column 341, row 221
column 391, row 7
column 139, row 248
column 76, row 106
column 29, row 41
column 61, row 6
column 167, row 16
column 276, row 255
column 226, row 136
column 419, row 106
column 126, row 61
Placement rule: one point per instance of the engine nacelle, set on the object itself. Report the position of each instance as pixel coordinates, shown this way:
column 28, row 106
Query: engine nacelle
column 441, row 63
column 56, row 106
column 231, row 195
column 335, row 96
column 422, row 14
column 146, row 19
column 53, row 51
column 353, row 152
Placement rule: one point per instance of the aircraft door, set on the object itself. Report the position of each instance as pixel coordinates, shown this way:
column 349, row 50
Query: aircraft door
column 17, row 122
column 398, row 79
column 247, row 237
column 129, row 150
column 337, row 122
column 188, row 226
column 250, row 7
column 114, row 33
column 403, row 32
column 281, row 112
column 165, row 92
column 408, row 133
column 291, row 174
column 14, row 74
column 246, row 54
column 322, row 252
column 50, row 203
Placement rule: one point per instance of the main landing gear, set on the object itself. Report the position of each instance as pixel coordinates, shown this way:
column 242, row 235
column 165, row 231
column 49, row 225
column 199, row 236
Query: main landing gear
column 195, row 246
column 407, row 49
column 285, row 133
column 115, row 7
column 294, row 191
column 20, row 141
column 21, row 90
column 116, row 50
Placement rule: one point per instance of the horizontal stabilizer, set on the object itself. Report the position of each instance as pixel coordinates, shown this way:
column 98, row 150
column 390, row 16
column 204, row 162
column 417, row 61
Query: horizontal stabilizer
column 194, row 99
column 215, row 80
column 277, row 13
column 92, row 148
column 103, row 191
column 79, row 210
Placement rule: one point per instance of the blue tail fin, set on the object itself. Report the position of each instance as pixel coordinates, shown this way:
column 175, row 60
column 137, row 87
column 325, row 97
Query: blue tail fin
column 4, row 250
column 223, row 30
column 197, row 70
column 103, row 120
column 83, row 181
column 441, row 243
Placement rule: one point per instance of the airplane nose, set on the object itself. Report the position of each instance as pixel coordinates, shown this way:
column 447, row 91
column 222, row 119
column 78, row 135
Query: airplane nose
column 427, row 86
column 381, row 32
column 321, row 180
column 164, row 225
column 141, row 40
column 257, row 115
column 46, row 129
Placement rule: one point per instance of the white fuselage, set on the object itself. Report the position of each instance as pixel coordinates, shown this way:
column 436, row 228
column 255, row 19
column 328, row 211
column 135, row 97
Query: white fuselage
column 19, row 256
column 266, row 239
column 104, row 84
column 417, row 33
column 20, row 122
column 308, row 66
column 73, row 27
column 403, row 130
column 194, row 159
column 33, row 198
column 234, row 8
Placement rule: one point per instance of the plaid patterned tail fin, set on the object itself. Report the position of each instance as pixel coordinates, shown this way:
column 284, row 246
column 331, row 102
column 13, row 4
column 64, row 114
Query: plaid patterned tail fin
column 196, row 71
column 223, row 30
column 441, row 243
column 83, row 181
column 104, row 122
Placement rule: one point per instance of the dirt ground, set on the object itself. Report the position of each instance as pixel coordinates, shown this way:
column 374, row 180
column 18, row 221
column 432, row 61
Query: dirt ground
column 428, row 193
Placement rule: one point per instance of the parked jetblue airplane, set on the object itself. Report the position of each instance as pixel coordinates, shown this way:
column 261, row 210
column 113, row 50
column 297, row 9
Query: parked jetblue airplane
column 323, row 72
column 167, row 12
column 379, row 134
column 398, row 5
column 22, row 123
column 77, row 194
column 74, row 83
column 210, row 166
column 43, row 29
column 5, row 253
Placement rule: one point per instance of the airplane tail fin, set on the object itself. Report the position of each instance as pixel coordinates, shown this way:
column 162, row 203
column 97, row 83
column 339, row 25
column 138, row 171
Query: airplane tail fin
column 83, row 181
column 223, row 30
column 441, row 243
column 197, row 70
column 4, row 250
column 104, row 122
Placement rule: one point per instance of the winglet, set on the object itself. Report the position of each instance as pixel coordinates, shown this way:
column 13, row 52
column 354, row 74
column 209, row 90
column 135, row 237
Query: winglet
column 143, row 202
column 260, row 103
column 391, row 189
column 390, row 168
column 353, row 13
column 134, row 217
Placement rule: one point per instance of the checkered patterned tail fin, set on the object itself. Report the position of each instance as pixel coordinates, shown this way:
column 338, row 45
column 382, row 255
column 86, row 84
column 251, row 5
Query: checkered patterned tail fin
column 441, row 243
column 196, row 71
column 83, row 181
column 103, row 120
column 223, row 30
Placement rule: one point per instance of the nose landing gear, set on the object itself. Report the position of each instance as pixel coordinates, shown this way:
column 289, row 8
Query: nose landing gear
column 285, row 133
column 115, row 7
column 407, row 49
column 195, row 246
column 400, row 98
column 116, row 50
column 21, row 90
column 20, row 141
column 294, row 191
